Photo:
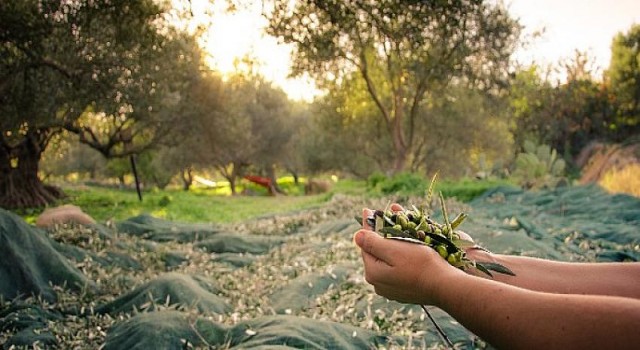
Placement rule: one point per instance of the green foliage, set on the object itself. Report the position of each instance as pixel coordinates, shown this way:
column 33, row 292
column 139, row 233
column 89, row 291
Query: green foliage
column 466, row 190
column 243, row 122
column 111, row 73
column 375, row 179
column 411, row 184
column 67, row 157
column 333, row 142
column 391, row 58
column 466, row 132
column 564, row 116
column 624, row 74
column 538, row 167
column 404, row 183
column 351, row 187
column 165, row 200
column 208, row 205
column 200, row 205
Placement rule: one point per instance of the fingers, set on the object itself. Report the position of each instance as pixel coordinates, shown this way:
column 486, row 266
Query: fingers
column 464, row 235
column 366, row 213
column 375, row 269
column 396, row 207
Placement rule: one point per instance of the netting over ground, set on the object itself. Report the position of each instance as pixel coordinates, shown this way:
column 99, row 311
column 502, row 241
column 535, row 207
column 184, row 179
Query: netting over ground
column 286, row 281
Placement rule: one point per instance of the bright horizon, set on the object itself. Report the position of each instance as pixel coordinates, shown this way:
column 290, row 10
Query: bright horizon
column 569, row 26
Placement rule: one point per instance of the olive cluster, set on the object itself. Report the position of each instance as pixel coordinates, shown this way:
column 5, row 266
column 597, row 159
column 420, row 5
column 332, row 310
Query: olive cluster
column 416, row 225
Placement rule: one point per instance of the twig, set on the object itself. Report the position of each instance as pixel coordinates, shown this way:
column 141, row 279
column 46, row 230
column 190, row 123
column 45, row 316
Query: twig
column 443, row 336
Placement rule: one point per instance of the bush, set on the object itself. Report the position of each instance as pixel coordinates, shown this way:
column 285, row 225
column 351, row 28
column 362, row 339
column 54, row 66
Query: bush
column 409, row 184
column 467, row 190
column 401, row 184
column 539, row 167
column 375, row 179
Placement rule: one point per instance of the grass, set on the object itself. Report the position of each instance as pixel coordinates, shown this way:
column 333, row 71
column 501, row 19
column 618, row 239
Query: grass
column 625, row 180
column 215, row 205
column 193, row 206
column 467, row 189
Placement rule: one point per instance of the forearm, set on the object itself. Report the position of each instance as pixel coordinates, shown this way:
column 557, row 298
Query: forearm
column 512, row 318
column 614, row 279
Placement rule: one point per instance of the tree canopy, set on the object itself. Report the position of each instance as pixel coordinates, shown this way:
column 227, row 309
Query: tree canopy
column 403, row 51
column 108, row 71
column 624, row 75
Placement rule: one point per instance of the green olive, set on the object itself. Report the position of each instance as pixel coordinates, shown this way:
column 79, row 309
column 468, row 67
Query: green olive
column 402, row 221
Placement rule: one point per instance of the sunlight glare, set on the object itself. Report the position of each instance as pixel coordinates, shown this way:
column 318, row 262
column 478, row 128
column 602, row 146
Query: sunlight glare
column 237, row 35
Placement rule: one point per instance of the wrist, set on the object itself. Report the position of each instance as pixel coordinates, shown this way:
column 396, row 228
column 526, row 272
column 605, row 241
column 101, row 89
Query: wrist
column 445, row 291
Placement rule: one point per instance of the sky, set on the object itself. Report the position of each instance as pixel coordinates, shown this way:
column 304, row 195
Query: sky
column 586, row 25
column 569, row 25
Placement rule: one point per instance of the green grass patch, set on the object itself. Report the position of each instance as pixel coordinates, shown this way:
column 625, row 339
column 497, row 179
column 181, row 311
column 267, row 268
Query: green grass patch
column 215, row 205
column 466, row 190
column 411, row 184
column 199, row 205
column 350, row 187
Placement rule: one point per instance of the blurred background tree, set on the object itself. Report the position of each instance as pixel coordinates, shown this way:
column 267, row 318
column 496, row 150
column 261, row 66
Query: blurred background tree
column 624, row 77
column 408, row 86
column 403, row 51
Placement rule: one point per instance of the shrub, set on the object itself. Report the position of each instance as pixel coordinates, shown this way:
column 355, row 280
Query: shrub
column 539, row 167
column 375, row 179
column 404, row 184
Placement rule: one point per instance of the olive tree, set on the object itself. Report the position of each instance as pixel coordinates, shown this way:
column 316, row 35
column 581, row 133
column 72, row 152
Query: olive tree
column 107, row 71
column 404, row 51
column 624, row 77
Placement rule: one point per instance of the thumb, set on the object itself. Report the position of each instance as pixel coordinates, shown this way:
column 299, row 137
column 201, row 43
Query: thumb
column 374, row 245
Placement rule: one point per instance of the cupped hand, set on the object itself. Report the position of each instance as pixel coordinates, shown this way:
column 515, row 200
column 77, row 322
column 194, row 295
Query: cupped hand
column 405, row 272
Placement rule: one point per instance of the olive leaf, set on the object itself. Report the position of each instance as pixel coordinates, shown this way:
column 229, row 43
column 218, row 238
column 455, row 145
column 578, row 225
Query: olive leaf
column 496, row 267
column 430, row 189
column 481, row 267
column 458, row 220
column 463, row 243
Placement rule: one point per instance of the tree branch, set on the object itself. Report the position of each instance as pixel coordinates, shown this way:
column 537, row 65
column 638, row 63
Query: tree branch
column 364, row 71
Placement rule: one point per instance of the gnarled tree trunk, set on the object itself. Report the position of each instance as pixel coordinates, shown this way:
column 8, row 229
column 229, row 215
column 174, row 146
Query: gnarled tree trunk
column 20, row 186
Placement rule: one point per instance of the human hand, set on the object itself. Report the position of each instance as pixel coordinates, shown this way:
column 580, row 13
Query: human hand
column 408, row 273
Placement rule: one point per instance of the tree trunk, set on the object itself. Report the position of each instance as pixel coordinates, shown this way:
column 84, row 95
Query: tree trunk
column 187, row 178
column 274, row 189
column 397, row 135
column 121, row 181
column 232, row 185
column 20, row 186
column 296, row 177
